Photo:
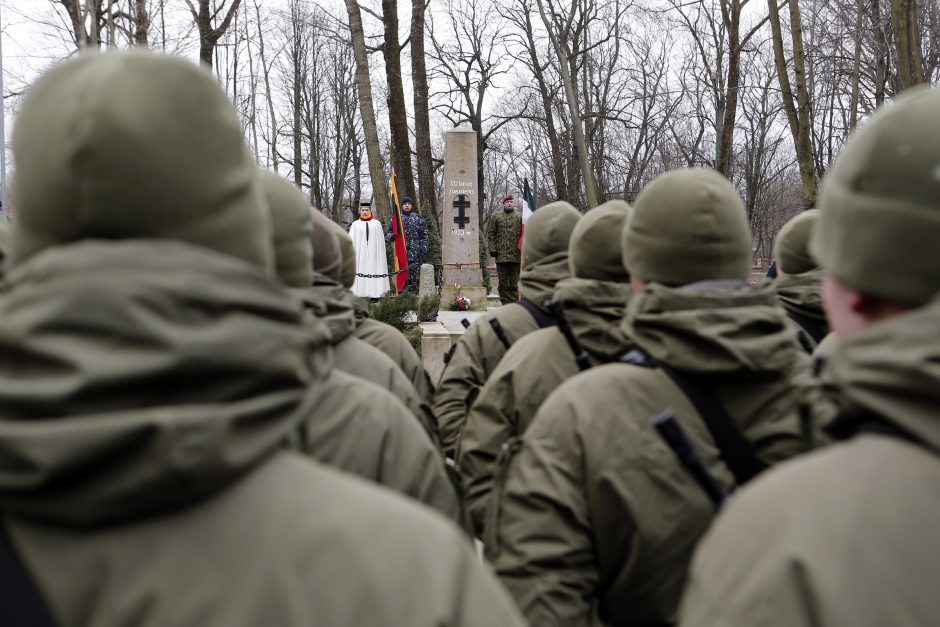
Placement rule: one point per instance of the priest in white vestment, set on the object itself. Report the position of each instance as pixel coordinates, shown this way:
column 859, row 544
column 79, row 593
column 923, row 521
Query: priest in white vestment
column 369, row 241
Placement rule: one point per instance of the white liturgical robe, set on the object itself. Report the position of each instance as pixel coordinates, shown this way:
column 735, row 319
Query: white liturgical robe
column 369, row 241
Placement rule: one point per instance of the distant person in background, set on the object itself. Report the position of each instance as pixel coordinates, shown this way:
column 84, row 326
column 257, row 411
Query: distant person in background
column 799, row 284
column 502, row 238
column 366, row 234
column 416, row 241
column 772, row 270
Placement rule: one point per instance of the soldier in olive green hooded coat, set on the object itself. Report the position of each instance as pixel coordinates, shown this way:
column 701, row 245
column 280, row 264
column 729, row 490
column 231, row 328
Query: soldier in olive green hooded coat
column 359, row 427
column 594, row 300
column 159, row 370
column 545, row 263
column 383, row 336
column 848, row 535
column 326, row 300
column 799, row 283
column 597, row 519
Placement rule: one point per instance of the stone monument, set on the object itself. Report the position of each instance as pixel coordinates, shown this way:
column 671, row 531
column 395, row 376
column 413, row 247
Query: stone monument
column 460, row 227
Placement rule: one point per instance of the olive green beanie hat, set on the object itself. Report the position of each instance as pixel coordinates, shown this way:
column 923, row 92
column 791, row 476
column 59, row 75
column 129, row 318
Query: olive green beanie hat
column 879, row 205
column 327, row 258
column 688, row 226
column 134, row 145
column 347, row 273
column 290, row 225
column 595, row 251
column 792, row 246
column 548, row 231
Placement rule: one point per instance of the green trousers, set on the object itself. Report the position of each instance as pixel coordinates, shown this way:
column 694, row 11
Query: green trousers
column 508, row 272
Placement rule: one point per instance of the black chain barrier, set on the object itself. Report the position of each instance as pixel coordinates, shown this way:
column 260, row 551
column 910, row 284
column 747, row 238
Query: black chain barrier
column 388, row 274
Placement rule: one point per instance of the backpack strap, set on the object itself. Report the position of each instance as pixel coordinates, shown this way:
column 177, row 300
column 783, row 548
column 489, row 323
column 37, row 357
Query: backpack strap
column 813, row 328
column 845, row 428
column 736, row 450
column 541, row 318
column 21, row 603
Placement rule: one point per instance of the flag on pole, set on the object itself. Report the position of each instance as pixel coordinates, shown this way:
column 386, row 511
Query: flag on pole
column 398, row 230
column 528, row 207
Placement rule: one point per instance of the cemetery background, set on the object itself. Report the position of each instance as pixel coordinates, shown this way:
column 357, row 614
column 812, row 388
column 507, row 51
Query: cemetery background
column 588, row 100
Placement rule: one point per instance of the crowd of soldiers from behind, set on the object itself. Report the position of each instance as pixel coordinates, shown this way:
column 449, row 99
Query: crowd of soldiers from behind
column 173, row 416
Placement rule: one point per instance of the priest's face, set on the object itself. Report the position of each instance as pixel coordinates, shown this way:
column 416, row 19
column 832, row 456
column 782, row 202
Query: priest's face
column 365, row 212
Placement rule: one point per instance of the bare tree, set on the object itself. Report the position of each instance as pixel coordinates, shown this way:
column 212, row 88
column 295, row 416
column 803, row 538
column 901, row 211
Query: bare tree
column 397, row 114
column 468, row 59
column 907, row 43
column 419, row 78
column 564, row 31
column 209, row 34
column 366, row 108
column 797, row 108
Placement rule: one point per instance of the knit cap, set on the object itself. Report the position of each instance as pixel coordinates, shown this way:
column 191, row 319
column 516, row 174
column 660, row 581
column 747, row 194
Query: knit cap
column 548, row 231
column 688, row 226
column 595, row 251
column 879, row 205
column 290, row 222
column 792, row 246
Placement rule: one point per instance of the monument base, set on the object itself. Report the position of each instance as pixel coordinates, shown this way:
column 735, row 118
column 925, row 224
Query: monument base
column 476, row 294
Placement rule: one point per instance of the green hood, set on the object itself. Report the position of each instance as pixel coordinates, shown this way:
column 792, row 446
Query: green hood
column 595, row 310
column 326, row 300
column 360, row 307
column 290, row 229
column 141, row 376
column 537, row 281
column 891, row 369
column 801, row 293
column 128, row 145
column 718, row 328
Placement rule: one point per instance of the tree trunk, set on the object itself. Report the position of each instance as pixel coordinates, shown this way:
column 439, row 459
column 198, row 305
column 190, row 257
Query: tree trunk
column 571, row 94
column 366, row 110
column 907, row 43
column 419, row 77
column 798, row 110
column 209, row 36
column 298, row 54
column 397, row 114
column 142, row 23
column 266, row 73
column 732, row 21
column 881, row 50
column 856, row 67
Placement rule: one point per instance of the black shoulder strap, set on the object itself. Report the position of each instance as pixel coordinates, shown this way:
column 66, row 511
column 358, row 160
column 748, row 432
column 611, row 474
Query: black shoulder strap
column 21, row 603
column 736, row 450
column 814, row 328
column 845, row 428
column 541, row 318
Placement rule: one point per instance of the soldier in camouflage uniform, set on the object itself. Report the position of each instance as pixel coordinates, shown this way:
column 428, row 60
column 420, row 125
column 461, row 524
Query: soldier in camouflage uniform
column 416, row 241
column 502, row 238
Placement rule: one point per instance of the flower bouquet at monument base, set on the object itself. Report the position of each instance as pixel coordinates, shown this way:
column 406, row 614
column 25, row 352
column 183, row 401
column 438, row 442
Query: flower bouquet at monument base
column 460, row 303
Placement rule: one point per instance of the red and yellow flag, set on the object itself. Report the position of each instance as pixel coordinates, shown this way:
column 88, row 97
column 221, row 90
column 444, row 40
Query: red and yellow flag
column 401, row 250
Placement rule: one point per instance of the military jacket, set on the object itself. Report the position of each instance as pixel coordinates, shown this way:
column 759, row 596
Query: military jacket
column 153, row 484
column 596, row 519
column 479, row 350
column 531, row 370
column 845, row 535
column 502, row 236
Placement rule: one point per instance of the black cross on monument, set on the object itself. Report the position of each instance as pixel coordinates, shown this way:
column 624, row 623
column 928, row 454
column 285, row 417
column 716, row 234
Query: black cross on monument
column 461, row 204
